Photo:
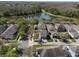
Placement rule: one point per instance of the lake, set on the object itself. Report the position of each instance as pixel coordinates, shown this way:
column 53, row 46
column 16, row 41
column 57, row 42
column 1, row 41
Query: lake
column 38, row 17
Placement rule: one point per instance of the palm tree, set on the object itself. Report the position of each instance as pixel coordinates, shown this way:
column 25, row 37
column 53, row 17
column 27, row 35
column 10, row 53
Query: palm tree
column 8, row 50
column 1, row 41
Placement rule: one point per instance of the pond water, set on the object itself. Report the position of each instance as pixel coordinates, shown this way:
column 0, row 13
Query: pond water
column 38, row 17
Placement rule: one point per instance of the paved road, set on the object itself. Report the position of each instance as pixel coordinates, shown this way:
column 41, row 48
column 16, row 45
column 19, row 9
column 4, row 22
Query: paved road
column 53, row 43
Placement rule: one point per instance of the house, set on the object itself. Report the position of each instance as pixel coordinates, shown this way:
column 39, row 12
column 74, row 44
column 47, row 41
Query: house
column 61, row 28
column 44, row 34
column 57, row 25
column 50, row 28
column 74, row 33
column 41, row 27
column 67, row 26
column 43, row 30
column 10, row 31
column 77, row 51
column 76, row 27
column 72, row 30
column 2, row 28
column 54, row 52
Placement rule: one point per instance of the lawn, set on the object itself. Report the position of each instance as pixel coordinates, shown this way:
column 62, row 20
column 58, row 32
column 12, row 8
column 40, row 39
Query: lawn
column 63, row 19
column 62, row 36
column 73, row 40
column 58, row 15
column 36, row 35
column 50, row 40
column 39, row 46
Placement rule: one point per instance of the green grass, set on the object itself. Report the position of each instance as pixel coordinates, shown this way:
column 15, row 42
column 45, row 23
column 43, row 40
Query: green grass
column 73, row 40
column 40, row 46
column 50, row 40
column 58, row 15
column 63, row 19
column 70, row 41
column 36, row 35
column 61, row 35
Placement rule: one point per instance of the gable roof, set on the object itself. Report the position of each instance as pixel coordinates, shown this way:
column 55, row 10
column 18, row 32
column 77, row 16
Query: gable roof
column 55, row 52
column 8, row 33
column 2, row 28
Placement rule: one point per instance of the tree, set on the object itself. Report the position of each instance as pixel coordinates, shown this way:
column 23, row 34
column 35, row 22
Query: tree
column 77, row 6
column 6, row 14
column 48, row 37
column 34, row 21
column 9, row 50
column 3, row 21
column 23, row 28
column 1, row 41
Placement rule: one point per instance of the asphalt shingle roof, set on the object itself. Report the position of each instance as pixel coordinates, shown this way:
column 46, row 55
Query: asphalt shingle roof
column 10, row 31
column 55, row 52
column 2, row 28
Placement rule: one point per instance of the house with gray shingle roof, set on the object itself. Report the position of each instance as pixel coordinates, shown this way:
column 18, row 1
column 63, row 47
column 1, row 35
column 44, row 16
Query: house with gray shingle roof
column 43, row 30
column 72, row 30
column 44, row 34
column 10, row 31
column 2, row 28
column 53, row 52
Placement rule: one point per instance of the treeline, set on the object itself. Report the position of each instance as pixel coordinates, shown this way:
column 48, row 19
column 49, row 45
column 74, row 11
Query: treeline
column 77, row 6
column 20, row 9
column 65, row 12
